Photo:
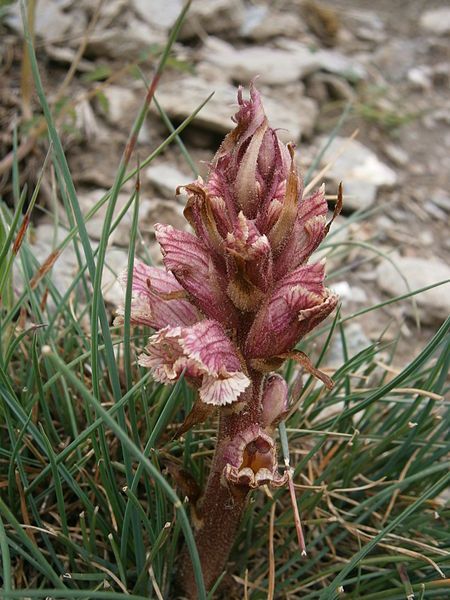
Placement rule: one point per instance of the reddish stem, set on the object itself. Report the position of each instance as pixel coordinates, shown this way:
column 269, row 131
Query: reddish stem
column 220, row 509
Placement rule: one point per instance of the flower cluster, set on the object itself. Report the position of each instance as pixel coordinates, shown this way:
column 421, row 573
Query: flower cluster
column 237, row 294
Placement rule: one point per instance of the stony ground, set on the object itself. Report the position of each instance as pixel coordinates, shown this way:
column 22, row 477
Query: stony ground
column 386, row 61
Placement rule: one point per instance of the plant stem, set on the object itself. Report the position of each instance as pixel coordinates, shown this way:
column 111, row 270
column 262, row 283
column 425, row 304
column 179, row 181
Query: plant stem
column 220, row 509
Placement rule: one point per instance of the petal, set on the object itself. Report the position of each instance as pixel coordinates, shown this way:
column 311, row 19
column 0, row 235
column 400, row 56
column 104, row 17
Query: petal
column 207, row 343
column 274, row 399
column 207, row 355
column 221, row 391
column 309, row 230
column 193, row 267
column 298, row 303
column 249, row 265
column 155, row 299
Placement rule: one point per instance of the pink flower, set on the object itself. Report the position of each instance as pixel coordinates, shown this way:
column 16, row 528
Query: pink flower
column 238, row 293
column 205, row 354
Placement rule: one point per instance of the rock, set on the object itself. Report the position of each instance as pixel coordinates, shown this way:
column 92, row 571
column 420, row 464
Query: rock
column 94, row 225
column 356, row 341
column 436, row 21
column 151, row 211
column 260, row 24
column 331, row 61
column 116, row 260
column 434, row 304
column 51, row 23
column 396, row 154
column 166, row 178
column 334, row 87
column 130, row 40
column 43, row 239
column 441, row 199
column 213, row 16
column 122, row 104
column 161, row 14
column 395, row 57
column 181, row 97
column 360, row 170
column 349, row 294
column 366, row 24
column 273, row 66
column 161, row 211
column 421, row 77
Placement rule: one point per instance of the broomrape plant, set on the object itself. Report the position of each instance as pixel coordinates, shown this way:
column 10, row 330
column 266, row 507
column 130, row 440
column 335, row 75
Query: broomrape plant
column 235, row 298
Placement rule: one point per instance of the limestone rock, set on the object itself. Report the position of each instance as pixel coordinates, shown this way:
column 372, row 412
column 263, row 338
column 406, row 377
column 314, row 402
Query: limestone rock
column 434, row 304
column 166, row 178
column 360, row 170
column 223, row 17
column 273, row 66
column 180, row 98
column 436, row 21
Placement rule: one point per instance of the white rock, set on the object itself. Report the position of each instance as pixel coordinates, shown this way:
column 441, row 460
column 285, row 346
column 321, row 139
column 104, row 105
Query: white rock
column 116, row 260
column 51, row 23
column 360, row 170
column 181, row 97
column 94, row 225
column 161, row 211
column 261, row 24
column 272, row 65
column 434, row 304
column 441, row 199
column 356, row 341
column 331, row 61
column 213, row 16
column 166, row 178
column 436, row 21
column 398, row 156
column 161, row 14
column 130, row 40
column 421, row 77
column 348, row 293
column 122, row 104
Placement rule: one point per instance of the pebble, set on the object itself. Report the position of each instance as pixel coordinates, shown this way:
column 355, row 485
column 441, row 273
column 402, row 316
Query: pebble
column 436, row 21
column 295, row 119
column 214, row 16
column 360, row 170
column 166, row 178
column 273, row 66
column 122, row 104
column 434, row 304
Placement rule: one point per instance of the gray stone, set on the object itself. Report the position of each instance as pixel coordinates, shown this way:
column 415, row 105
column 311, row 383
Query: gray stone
column 434, row 304
column 161, row 14
column 166, row 178
column 441, row 199
column 356, row 341
column 262, row 24
column 396, row 154
column 360, row 170
column 436, row 21
column 130, row 40
column 161, row 211
column 272, row 65
column 331, row 61
column 122, row 104
column 116, row 261
column 51, row 23
column 214, row 17
column 181, row 97
column 94, row 225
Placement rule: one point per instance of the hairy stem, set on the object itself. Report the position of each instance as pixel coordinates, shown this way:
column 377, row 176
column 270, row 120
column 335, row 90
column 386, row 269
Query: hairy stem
column 220, row 509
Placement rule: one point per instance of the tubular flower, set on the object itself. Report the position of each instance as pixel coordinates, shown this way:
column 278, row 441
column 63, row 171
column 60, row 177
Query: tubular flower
column 234, row 299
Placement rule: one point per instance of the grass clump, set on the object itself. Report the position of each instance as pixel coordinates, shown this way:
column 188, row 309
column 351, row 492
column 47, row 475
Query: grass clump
column 88, row 508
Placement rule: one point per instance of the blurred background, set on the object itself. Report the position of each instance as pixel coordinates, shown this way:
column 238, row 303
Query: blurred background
column 365, row 80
